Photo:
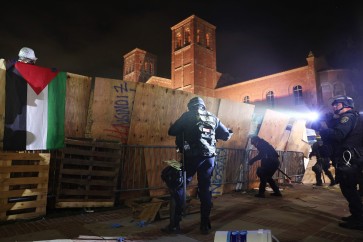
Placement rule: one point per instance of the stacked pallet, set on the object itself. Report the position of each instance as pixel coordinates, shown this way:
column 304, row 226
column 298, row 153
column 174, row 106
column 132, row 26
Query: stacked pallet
column 23, row 185
column 88, row 173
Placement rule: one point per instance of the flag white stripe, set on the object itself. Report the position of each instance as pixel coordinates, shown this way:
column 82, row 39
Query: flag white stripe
column 37, row 119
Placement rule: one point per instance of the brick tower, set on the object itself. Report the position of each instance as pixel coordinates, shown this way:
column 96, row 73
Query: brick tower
column 193, row 56
column 139, row 66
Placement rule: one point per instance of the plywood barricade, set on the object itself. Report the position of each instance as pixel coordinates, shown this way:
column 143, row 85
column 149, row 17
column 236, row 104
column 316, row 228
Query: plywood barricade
column 238, row 117
column 298, row 140
column 77, row 102
column 111, row 109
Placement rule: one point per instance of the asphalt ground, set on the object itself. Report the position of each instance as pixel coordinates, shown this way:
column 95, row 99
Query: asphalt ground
column 304, row 213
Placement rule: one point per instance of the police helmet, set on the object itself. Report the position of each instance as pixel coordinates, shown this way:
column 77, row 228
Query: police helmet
column 345, row 100
column 196, row 102
column 172, row 177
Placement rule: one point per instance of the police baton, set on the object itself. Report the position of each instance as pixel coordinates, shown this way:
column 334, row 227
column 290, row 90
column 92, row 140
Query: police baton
column 283, row 173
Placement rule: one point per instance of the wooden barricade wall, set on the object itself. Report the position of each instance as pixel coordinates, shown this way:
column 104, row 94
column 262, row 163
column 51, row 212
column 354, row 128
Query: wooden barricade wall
column 23, row 185
column 111, row 109
column 298, row 140
column 77, row 102
column 238, row 117
column 273, row 127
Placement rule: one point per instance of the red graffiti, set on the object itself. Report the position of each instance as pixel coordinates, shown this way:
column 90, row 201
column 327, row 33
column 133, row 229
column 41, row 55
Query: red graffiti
column 118, row 131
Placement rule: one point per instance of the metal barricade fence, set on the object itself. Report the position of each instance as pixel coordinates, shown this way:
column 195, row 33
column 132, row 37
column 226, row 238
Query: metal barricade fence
column 291, row 163
column 141, row 167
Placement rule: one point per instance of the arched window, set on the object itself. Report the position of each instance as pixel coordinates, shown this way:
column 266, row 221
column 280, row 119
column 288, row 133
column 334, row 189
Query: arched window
column 187, row 37
column 270, row 98
column 198, row 36
column 207, row 40
column 246, row 99
column 178, row 40
column 298, row 95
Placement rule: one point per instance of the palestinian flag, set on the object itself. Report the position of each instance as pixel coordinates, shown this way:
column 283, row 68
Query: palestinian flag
column 34, row 108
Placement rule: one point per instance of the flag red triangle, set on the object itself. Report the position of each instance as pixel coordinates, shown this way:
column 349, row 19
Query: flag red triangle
column 37, row 77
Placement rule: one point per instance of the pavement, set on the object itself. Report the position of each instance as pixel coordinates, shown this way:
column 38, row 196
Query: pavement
column 304, row 213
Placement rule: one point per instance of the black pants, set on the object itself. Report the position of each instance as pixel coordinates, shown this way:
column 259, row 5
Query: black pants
column 322, row 164
column 349, row 178
column 203, row 167
column 265, row 173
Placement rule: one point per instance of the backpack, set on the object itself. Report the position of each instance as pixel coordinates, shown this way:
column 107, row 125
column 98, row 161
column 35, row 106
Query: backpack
column 204, row 143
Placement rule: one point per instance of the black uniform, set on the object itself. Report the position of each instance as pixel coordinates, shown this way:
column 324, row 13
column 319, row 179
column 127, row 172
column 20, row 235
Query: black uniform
column 199, row 158
column 346, row 138
column 269, row 165
column 322, row 152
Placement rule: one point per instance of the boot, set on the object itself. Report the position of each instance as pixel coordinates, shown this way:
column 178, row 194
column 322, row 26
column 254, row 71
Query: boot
column 205, row 226
column 173, row 227
column 319, row 182
column 330, row 176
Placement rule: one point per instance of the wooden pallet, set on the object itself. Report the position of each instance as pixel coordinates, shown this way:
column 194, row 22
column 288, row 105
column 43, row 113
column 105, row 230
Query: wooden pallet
column 23, row 185
column 88, row 173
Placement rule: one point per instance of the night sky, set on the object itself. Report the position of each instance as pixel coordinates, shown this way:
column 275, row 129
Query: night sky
column 254, row 38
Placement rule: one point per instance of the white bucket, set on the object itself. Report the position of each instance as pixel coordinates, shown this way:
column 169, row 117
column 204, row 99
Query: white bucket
column 261, row 235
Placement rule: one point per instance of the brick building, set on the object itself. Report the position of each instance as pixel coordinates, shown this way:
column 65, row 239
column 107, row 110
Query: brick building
column 194, row 69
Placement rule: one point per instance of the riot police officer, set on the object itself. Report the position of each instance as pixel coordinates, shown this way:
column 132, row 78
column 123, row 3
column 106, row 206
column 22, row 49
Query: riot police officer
column 322, row 152
column 345, row 135
column 196, row 132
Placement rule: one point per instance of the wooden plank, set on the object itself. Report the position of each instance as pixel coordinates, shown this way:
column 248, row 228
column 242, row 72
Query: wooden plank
column 111, row 109
column 2, row 100
column 298, row 139
column 273, row 126
column 82, row 204
column 77, row 103
column 238, row 117
column 150, row 210
column 282, row 144
column 23, row 192
column 42, row 157
column 155, row 108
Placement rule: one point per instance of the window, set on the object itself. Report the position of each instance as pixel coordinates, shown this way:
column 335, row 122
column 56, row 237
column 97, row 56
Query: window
column 339, row 89
column 187, row 37
column 207, row 40
column 298, row 97
column 178, row 40
column 246, row 99
column 198, row 36
column 270, row 99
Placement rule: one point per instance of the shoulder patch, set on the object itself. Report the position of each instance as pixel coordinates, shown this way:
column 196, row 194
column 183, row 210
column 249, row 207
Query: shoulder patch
column 344, row 119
